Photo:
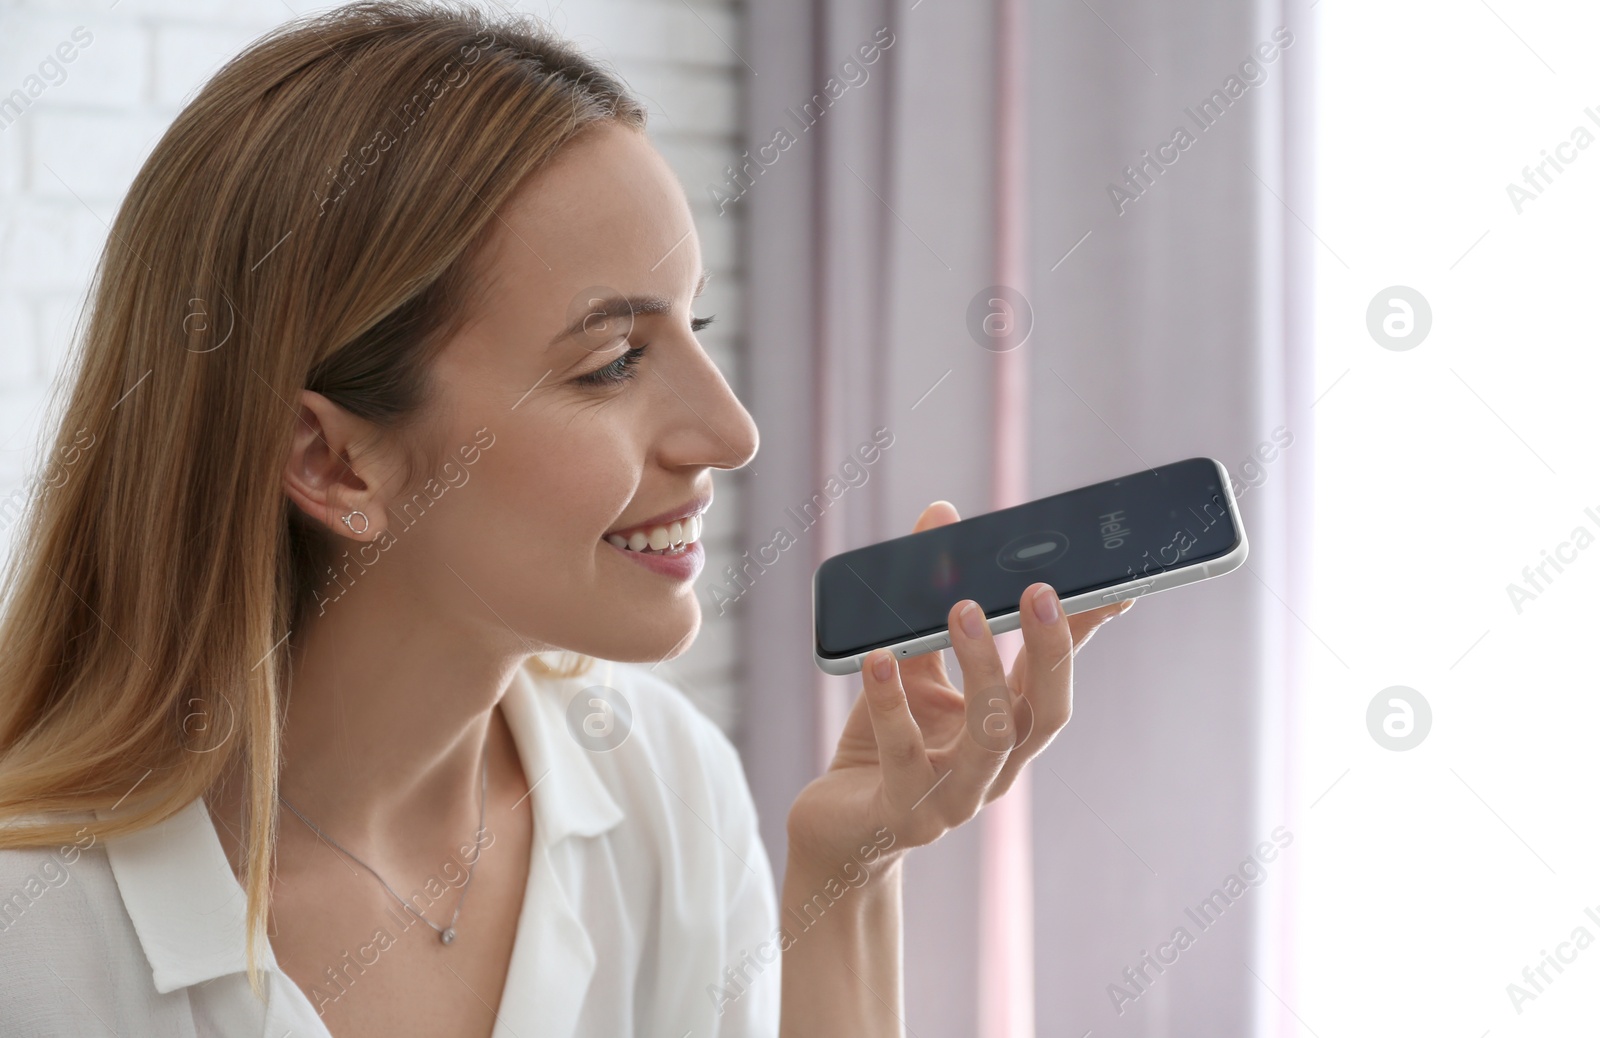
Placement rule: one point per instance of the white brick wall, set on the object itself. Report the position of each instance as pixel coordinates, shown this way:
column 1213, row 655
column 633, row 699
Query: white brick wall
column 66, row 161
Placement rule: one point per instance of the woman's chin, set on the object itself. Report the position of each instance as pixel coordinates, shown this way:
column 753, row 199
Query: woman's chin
column 669, row 635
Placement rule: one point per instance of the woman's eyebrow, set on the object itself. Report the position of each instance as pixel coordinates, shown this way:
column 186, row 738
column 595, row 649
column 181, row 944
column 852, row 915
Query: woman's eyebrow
column 624, row 306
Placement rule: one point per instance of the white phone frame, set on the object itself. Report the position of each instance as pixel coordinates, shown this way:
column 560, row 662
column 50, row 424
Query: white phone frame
column 1134, row 588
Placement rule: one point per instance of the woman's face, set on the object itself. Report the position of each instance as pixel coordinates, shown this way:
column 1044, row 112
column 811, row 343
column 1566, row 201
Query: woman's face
column 585, row 441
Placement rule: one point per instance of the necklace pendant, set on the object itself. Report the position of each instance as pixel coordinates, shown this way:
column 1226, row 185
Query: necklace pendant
column 447, row 935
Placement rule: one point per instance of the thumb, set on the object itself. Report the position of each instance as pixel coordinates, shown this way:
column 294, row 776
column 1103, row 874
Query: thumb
column 939, row 513
column 931, row 664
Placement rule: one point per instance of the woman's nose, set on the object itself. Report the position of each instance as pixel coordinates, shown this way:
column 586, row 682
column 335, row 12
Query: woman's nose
column 737, row 430
column 728, row 437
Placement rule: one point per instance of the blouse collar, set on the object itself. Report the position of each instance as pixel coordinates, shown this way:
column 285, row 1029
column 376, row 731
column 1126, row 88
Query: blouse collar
column 188, row 908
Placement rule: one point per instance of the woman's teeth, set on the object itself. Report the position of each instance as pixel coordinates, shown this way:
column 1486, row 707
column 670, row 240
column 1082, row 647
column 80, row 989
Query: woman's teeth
column 674, row 536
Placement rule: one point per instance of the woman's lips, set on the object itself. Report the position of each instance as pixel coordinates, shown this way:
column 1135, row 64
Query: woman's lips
column 684, row 564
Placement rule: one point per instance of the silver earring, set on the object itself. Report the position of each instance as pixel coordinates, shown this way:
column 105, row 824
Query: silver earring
column 365, row 524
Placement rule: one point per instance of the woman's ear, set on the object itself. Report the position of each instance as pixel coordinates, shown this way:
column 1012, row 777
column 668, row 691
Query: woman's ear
column 332, row 473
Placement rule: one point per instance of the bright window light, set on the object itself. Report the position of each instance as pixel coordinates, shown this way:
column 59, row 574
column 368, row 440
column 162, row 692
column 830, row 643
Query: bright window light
column 1453, row 887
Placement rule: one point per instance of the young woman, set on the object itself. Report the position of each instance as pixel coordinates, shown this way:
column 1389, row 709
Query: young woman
column 389, row 390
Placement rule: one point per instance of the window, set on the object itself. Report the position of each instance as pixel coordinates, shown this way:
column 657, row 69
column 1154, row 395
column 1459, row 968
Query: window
column 1457, row 549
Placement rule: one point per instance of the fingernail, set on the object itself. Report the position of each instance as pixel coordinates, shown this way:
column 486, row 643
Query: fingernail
column 1045, row 606
column 972, row 620
column 880, row 666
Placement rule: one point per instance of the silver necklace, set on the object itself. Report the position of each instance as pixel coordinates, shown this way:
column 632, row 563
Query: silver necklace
column 448, row 933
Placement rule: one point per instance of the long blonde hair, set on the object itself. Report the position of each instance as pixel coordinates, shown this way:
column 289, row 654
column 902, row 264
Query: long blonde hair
column 309, row 221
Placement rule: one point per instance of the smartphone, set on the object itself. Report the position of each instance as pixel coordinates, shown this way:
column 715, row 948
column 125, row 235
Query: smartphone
column 1145, row 532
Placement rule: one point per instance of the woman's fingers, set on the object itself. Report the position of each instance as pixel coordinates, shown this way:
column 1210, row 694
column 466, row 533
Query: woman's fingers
column 991, row 724
column 1048, row 642
column 907, row 772
column 1043, row 671
column 1042, row 675
column 1084, row 624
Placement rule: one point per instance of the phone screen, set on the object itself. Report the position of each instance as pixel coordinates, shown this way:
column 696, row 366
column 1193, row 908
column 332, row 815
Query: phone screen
column 1092, row 537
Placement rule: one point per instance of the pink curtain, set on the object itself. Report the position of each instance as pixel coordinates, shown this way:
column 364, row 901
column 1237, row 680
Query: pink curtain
column 905, row 159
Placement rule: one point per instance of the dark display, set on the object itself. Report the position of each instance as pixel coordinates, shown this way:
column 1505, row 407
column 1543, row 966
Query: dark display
column 1082, row 540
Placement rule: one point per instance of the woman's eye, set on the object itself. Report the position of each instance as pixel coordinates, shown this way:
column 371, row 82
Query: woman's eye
column 622, row 369
column 618, row 371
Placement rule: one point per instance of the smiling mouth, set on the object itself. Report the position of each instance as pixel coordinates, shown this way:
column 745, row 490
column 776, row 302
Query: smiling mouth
column 673, row 538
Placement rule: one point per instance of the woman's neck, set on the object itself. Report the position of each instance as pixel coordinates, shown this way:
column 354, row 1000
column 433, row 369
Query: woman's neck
column 386, row 724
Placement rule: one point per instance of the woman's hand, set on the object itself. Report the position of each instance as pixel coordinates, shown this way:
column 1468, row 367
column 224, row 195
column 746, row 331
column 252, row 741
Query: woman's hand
column 916, row 757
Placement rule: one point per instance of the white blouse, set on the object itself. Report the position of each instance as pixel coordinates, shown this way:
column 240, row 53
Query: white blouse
column 649, row 908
